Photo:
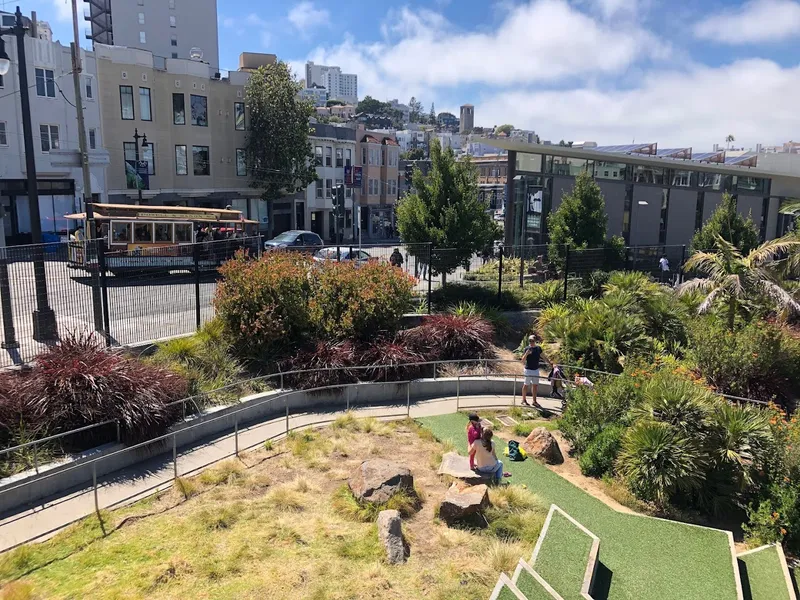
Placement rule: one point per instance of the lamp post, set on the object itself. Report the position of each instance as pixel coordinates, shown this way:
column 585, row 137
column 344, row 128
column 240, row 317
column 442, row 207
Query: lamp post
column 44, row 319
column 136, row 138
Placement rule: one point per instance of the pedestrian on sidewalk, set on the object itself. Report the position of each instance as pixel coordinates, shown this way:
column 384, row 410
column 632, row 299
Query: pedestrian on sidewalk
column 531, row 358
column 396, row 259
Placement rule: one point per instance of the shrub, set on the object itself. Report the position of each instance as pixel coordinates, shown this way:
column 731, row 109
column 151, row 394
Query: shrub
column 523, row 429
column 393, row 353
column 677, row 402
column 602, row 451
column 337, row 356
column 485, row 295
column 352, row 301
column 80, row 382
column 263, row 303
column 490, row 313
column 540, row 295
column 447, row 337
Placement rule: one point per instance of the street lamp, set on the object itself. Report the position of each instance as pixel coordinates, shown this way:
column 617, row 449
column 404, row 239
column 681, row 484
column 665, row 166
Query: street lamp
column 136, row 138
column 44, row 319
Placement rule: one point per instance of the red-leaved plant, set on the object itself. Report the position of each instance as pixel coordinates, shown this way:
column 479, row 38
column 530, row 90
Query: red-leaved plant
column 451, row 337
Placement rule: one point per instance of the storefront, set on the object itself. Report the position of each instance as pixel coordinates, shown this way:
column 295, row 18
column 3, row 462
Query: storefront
column 56, row 199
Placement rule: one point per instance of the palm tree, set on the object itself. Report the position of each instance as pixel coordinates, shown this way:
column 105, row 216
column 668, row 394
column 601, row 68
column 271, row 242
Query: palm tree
column 734, row 280
column 729, row 139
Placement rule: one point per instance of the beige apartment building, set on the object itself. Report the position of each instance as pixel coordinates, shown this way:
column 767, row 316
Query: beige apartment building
column 194, row 119
column 379, row 156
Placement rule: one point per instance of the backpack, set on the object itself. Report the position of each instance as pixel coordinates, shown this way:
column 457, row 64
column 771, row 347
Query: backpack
column 514, row 452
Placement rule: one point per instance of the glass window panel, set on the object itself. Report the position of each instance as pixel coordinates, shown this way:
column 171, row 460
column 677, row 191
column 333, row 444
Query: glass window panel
column 200, row 157
column 238, row 110
column 328, row 156
column 318, row 156
column 130, row 150
column 241, row 164
column 682, row 178
column 40, row 87
column 609, row 170
column 164, row 232
column 143, row 233
column 46, row 216
column 62, row 205
column 183, row 233
column 181, row 166
column 148, row 155
column 126, row 102
column 144, row 104
column 647, row 174
column 50, row 83
column 121, row 232
column 44, row 135
column 339, row 157
column 92, row 139
column 178, row 109
column 199, row 105
column 3, row 134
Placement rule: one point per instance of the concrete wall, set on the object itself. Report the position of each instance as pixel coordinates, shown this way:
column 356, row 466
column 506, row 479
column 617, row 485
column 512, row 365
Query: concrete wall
column 614, row 194
column 750, row 206
column 681, row 217
column 710, row 204
column 561, row 185
column 772, row 217
column 645, row 218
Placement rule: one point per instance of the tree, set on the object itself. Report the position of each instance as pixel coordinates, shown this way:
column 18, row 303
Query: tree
column 729, row 139
column 737, row 281
column 415, row 110
column 277, row 151
column 507, row 129
column 432, row 115
column 414, row 154
column 727, row 223
column 445, row 210
column 371, row 106
column 335, row 103
column 580, row 220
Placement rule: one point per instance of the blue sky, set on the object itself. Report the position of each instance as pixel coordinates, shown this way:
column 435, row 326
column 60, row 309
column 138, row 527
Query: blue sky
column 679, row 72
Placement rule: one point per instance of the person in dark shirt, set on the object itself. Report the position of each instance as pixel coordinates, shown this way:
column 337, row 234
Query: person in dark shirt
column 531, row 358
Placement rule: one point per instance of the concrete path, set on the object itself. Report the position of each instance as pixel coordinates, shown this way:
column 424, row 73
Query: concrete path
column 48, row 517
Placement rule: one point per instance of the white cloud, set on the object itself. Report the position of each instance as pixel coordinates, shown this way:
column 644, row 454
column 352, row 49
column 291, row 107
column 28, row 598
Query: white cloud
column 255, row 20
column 63, row 10
column 698, row 107
column 264, row 33
column 610, row 8
column 755, row 21
column 305, row 16
column 228, row 22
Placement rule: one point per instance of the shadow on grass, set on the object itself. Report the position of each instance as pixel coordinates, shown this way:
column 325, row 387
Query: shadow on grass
column 602, row 582
column 793, row 577
column 746, row 591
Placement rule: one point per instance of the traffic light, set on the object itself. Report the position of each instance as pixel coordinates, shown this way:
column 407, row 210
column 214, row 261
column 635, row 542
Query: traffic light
column 338, row 198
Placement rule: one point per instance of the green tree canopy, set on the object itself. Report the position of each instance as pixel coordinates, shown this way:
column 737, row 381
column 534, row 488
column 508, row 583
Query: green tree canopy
column 335, row 103
column 580, row 220
column 278, row 153
column 445, row 210
column 415, row 109
column 432, row 115
column 414, row 154
column 507, row 129
column 371, row 106
column 728, row 224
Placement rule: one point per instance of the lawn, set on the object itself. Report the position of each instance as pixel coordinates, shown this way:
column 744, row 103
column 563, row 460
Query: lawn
column 563, row 557
column 641, row 558
column 762, row 575
column 532, row 589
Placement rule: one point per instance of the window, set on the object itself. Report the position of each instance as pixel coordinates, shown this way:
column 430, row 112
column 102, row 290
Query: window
column 174, row 55
column 183, row 233
column 89, row 89
column 3, row 134
column 142, row 37
column 141, row 18
column 662, row 228
column 145, row 113
column 1, row 82
column 174, row 41
column 163, row 232
column 328, row 156
column 143, row 233
column 45, row 83
column 698, row 214
column 328, row 188
column 121, row 232
column 178, row 109
column 172, row 21
column 147, row 154
column 241, row 164
column 348, row 157
column 172, row 4
column 199, row 106
column 49, row 135
column 339, row 182
column 626, row 214
column 93, row 139
column 319, row 184
column 126, row 102
column 140, row 2
column 201, row 160
column 238, row 113
column 339, row 157
column 318, row 156
column 383, row 157
column 363, row 156
column 181, row 166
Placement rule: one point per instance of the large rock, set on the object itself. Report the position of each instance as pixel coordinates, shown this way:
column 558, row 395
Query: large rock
column 542, row 445
column 463, row 500
column 390, row 534
column 377, row 480
column 455, row 465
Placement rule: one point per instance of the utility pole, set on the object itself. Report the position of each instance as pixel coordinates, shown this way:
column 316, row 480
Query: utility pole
column 77, row 69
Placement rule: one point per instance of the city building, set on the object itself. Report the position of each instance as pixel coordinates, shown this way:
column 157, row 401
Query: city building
column 55, row 130
column 450, row 140
column 404, row 109
column 316, row 94
column 345, row 112
column 411, row 140
column 195, row 127
column 467, row 121
column 379, row 157
column 653, row 196
column 447, row 120
column 479, row 148
column 44, row 31
column 340, row 86
column 334, row 149
column 166, row 28
column 492, row 179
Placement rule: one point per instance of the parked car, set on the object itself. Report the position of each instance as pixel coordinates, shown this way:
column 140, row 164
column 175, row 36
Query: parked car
column 295, row 240
column 359, row 256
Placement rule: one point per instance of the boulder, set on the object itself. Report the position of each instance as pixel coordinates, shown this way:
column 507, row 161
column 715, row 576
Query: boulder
column 455, row 465
column 390, row 534
column 542, row 445
column 377, row 480
column 463, row 500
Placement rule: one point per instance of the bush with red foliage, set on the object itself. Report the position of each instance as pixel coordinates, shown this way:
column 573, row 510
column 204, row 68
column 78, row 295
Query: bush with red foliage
column 450, row 337
column 14, row 411
column 393, row 353
column 80, row 382
column 339, row 356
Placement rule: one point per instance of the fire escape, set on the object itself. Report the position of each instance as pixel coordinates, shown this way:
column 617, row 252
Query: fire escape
column 98, row 13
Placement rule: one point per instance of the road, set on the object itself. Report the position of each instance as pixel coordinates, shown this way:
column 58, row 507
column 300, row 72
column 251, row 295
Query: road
column 141, row 309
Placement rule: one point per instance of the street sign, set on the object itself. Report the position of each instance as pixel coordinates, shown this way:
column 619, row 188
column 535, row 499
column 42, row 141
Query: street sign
column 352, row 176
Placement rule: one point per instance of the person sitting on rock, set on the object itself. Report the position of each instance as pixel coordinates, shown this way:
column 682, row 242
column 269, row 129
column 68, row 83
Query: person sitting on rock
column 474, row 429
column 483, row 458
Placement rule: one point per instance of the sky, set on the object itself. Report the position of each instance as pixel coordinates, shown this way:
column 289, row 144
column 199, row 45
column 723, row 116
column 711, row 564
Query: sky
column 676, row 72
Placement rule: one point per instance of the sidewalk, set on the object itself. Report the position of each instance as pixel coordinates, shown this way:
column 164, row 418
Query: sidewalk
column 128, row 485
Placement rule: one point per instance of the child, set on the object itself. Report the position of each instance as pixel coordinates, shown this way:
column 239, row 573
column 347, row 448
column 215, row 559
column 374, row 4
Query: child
column 474, row 429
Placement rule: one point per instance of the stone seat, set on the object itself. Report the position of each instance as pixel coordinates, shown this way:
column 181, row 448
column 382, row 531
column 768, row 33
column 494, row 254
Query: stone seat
column 457, row 466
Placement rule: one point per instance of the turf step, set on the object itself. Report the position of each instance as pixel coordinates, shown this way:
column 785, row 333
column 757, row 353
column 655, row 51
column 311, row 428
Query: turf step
column 532, row 584
column 506, row 590
column 566, row 556
column 765, row 574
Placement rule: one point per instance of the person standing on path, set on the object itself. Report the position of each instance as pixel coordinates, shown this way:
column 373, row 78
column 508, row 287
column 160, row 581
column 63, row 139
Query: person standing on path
column 530, row 359
column 663, row 265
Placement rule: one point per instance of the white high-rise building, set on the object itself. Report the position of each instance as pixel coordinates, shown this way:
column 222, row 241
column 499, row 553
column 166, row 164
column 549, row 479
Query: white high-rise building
column 340, row 86
column 166, row 28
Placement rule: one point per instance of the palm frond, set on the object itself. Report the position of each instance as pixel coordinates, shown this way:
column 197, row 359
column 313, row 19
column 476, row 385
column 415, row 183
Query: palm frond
column 708, row 302
column 780, row 296
column 767, row 251
column 695, row 285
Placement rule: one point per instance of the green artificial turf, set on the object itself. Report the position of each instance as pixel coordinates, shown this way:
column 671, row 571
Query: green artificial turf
column 532, row 589
column 507, row 594
column 563, row 557
column 640, row 558
column 762, row 575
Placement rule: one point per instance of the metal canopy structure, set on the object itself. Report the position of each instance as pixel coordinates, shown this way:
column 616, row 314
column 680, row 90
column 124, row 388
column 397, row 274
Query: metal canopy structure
column 649, row 149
